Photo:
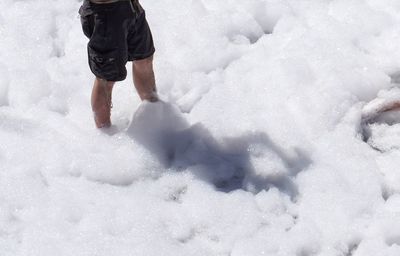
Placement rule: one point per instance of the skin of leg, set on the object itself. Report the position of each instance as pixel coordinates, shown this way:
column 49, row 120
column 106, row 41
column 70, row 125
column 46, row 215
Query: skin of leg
column 101, row 102
column 390, row 107
column 144, row 80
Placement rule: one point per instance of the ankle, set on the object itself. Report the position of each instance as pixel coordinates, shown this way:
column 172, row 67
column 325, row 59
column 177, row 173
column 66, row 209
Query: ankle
column 151, row 97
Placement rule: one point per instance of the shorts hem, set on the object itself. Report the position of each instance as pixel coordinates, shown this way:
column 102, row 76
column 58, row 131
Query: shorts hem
column 141, row 56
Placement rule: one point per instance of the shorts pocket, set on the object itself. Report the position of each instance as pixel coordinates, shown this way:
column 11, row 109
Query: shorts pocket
column 87, row 19
column 107, row 65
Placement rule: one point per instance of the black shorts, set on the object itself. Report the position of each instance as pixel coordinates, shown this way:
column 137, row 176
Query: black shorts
column 118, row 33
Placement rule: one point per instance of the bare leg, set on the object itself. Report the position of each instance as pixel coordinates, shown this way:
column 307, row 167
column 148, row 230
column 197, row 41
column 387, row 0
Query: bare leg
column 143, row 78
column 379, row 106
column 101, row 102
column 390, row 107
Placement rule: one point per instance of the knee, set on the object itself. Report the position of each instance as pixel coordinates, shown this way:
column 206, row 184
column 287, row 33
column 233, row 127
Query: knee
column 144, row 64
column 103, row 83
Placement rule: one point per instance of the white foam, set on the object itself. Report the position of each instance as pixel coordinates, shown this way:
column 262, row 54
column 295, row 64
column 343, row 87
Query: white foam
column 256, row 149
